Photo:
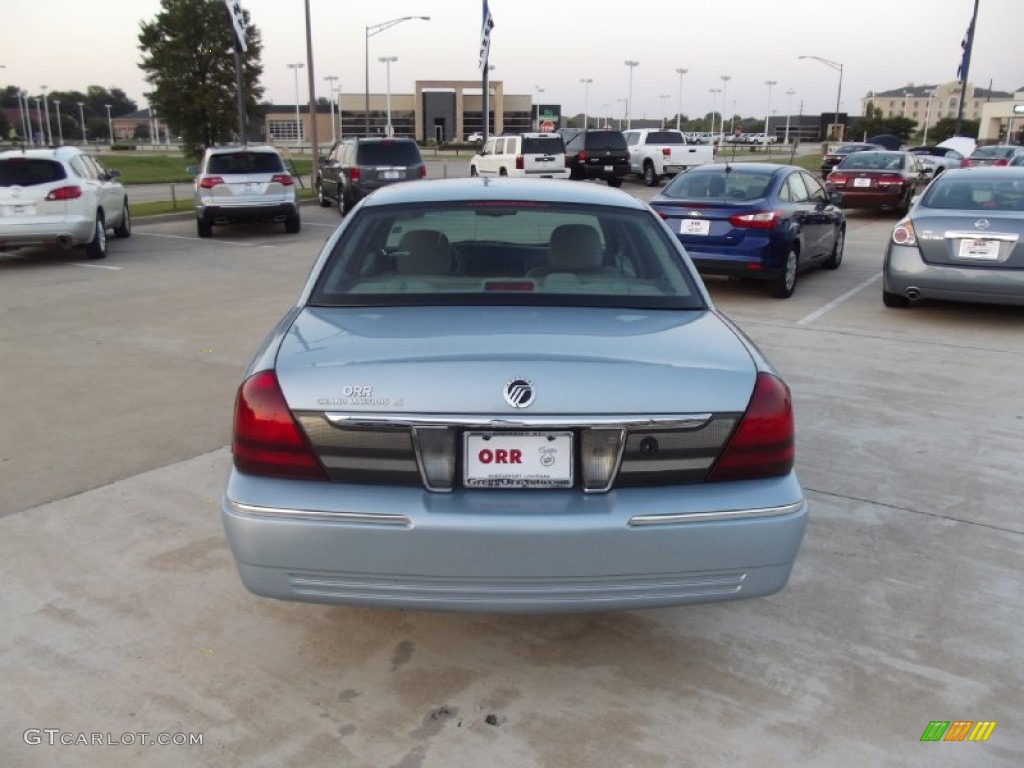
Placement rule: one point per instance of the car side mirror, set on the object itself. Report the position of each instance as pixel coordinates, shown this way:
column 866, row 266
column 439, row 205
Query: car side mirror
column 191, row 170
column 113, row 174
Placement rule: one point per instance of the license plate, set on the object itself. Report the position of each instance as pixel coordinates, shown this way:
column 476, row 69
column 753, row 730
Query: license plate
column 252, row 186
column 391, row 174
column 862, row 182
column 979, row 249
column 609, row 168
column 518, row 460
column 694, row 226
column 19, row 210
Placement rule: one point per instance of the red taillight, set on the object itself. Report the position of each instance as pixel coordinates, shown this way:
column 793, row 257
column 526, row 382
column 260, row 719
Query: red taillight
column 209, row 182
column 904, row 234
column 965, row 163
column 519, row 163
column 65, row 193
column 582, row 157
column 353, row 174
column 666, row 152
column 839, row 179
column 1001, row 161
column 885, row 181
column 423, row 171
column 267, row 440
column 756, row 220
column 763, row 444
column 284, row 179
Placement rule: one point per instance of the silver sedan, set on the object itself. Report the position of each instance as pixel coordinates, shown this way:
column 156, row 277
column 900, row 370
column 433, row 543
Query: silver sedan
column 510, row 396
column 961, row 241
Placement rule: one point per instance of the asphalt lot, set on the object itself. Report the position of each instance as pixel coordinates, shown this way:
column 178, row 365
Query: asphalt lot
column 124, row 614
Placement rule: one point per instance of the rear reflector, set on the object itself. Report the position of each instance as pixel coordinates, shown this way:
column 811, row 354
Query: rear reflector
column 267, row 441
column 762, row 445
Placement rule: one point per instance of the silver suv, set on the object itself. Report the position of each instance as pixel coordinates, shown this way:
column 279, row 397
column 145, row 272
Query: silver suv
column 62, row 197
column 244, row 184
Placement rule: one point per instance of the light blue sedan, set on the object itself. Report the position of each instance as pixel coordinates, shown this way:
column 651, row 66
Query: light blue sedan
column 510, row 396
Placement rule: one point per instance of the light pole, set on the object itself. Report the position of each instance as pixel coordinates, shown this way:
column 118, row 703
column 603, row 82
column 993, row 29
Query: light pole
column 371, row 30
column 110, row 125
column 331, row 80
column 839, row 91
column 60, row 130
column 769, row 83
column 906, row 95
column 536, row 123
column 625, row 110
column 386, row 61
column 586, row 98
column 927, row 117
column 679, row 114
column 789, row 110
column 605, row 107
column 664, row 108
column 39, row 117
column 26, row 120
column 725, row 84
column 46, row 110
column 629, row 95
column 714, row 108
column 298, row 124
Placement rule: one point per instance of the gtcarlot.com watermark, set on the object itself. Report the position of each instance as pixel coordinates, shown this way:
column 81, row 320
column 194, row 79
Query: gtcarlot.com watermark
column 55, row 737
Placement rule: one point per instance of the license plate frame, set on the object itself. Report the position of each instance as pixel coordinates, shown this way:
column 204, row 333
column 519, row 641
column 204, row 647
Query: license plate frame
column 862, row 182
column 978, row 249
column 545, row 460
column 699, row 227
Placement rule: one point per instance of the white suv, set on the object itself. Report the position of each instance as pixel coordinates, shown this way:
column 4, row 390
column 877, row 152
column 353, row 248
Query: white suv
column 528, row 155
column 60, row 196
column 236, row 184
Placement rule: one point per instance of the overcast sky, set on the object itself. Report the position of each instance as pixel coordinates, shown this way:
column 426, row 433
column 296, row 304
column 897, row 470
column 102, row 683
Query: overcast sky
column 551, row 44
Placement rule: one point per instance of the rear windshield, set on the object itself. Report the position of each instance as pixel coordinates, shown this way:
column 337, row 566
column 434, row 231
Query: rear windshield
column 975, row 194
column 27, row 172
column 993, row 152
column 872, row 161
column 389, row 153
column 736, row 185
column 605, row 140
column 506, row 253
column 546, row 145
column 245, row 162
column 665, row 137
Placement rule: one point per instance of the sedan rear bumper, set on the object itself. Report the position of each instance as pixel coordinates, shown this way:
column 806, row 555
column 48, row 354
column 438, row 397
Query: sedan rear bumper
column 907, row 274
column 517, row 551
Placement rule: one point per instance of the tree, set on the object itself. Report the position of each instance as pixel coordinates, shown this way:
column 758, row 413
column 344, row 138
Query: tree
column 943, row 129
column 188, row 59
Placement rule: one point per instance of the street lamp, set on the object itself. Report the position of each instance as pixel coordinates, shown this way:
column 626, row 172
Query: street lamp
column 725, row 84
column 586, row 98
column 110, row 125
column 60, row 130
column 839, row 91
column 714, row 108
column 331, row 80
column 625, row 111
column 46, row 110
column 789, row 111
column 769, row 83
column 605, row 107
column 906, row 95
column 376, row 29
column 298, row 124
column 679, row 114
column 928, row 117
column 664, row 107
column 629, row 96
column 536, row 108
column 386, row 61
column 26, row 120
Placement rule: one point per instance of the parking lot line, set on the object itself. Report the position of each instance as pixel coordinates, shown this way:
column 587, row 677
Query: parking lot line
column 188, row 237
column 808, row 319
column 95, row 266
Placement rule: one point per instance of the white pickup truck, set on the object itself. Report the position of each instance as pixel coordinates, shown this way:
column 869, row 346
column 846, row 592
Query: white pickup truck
column 656, row 154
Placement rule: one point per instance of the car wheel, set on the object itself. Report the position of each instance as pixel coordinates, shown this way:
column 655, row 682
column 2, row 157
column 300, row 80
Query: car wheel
column 320, row 196
column 782, row 286
column 124, row 228
column 614, row 181
column 204, row 228
column 292, row 224
column 473, row 171
column 343, row 204
column 895, row 300
column 650, row 177
column 833, row 261
column 503, row 172
column 97, row 248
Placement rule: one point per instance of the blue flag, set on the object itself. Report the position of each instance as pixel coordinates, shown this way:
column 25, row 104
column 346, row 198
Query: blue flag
column 965, row 58
column 485, row 36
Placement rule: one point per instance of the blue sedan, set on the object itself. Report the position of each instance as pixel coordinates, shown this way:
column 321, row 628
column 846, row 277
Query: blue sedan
column 757, row 221
column 510, row 395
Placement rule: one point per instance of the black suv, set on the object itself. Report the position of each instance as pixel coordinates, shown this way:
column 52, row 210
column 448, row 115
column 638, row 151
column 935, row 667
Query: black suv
column 597, row 155
column 356, row 167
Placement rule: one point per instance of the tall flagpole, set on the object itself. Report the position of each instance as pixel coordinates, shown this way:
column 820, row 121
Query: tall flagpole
column 485, row 52
column 965, row 66
column 237, row 21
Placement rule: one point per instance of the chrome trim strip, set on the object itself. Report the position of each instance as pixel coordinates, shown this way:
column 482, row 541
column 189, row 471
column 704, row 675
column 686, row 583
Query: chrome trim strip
column 319, row 515
column 400, row 420
column 979, row 234
column 704, row 517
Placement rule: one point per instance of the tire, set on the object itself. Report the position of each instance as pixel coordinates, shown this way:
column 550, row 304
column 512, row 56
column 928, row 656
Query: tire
column 343, row 206
column 124, row 228
column 293, row 224
column 473, row 172
column 97, row 248
column 204, row 228
column 782, row 287
column 833, row 261
column 614, row 181
column 650, row 177
column 904, row 207
column 895, row 300
column 320, row 197
column 503, row 172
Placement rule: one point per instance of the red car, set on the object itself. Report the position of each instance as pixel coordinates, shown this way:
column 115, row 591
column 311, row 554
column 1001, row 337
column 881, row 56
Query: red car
column 883, row 180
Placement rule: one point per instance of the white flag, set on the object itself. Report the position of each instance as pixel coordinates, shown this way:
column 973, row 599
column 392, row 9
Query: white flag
column 485, row 36
column 237, row 24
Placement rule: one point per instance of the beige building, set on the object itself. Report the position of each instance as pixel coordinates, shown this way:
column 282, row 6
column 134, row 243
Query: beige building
column 927, row 104
column 1002, row 122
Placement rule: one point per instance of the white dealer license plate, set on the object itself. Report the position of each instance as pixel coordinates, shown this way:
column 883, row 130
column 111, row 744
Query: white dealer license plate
column 694, row 226
column 609, row 168
column 19, row 210
column 862, row 182
column 979, row 249
column 518, row 460
column 391, row 174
